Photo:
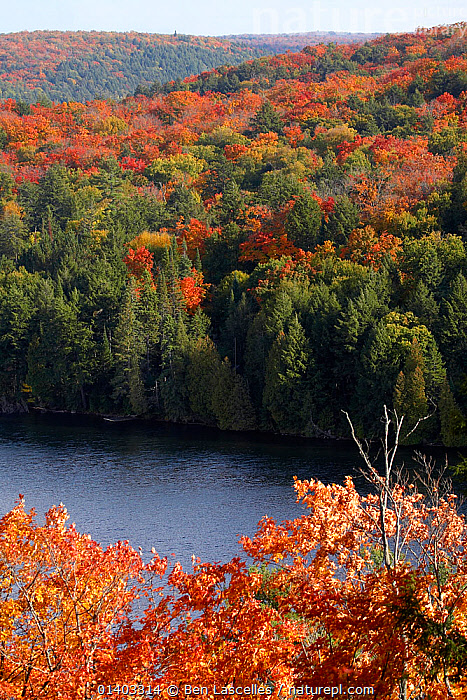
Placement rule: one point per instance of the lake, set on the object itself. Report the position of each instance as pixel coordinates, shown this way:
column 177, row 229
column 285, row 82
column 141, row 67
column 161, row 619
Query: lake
column 183, row 490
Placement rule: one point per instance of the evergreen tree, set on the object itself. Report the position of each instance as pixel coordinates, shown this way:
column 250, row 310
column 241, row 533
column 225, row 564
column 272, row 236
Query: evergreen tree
column 453, row 332
column 202, row 369
column 423, row 304
column 174, row 362
column 278, row 312
column 197, row 262
column 341, row 222
column 286, row 395
column 257, row 348
column 266, row 119
column 231, row 401
column 149, row 319
column 55, row 197
column 303, row 222
column 13, row 235
column 319, row 322
column 100, row 392
column 18, row 292
column 129, row 349
column 453, row 423
column 352, row 331
column 398, row 343
column 61, row 357
column 410, row 398
column 233, row 334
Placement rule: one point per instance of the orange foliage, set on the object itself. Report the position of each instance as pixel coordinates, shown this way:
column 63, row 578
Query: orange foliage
column 294, row 135
column 367, row 248
column 195, row 233
column 233, row 152
column 64, row 605
column 267, row 239
column 327, row 608
column 193, row 290
column 137, row 261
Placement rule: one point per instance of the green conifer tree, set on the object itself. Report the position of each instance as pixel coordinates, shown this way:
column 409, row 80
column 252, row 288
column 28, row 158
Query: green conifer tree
column 453, row 423
column 231, row 401
column 174, row 362
column 410, row 398
column 303, row 222
column 128, row 352
column 453, row 324
column 286, row 394
column 266, row 119
column 202, row 369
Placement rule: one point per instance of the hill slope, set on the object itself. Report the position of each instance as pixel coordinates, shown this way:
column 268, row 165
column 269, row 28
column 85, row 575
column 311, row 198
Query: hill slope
column 64, row 66
column 313, row 205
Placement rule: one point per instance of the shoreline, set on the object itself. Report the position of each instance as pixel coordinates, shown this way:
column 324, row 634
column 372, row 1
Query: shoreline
column 148, row 419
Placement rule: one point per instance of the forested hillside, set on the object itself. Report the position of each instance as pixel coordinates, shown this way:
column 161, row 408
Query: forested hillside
column 258, row 247
column 280, row 43
column 83, row 66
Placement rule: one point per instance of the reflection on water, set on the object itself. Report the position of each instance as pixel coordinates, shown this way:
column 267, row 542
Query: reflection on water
column 182, row 490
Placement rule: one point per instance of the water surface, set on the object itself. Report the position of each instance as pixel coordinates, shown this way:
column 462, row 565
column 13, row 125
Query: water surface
column 180, row 489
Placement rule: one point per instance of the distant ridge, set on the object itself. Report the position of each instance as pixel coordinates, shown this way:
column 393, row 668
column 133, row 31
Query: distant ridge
column 80, row 66
column 279, row 43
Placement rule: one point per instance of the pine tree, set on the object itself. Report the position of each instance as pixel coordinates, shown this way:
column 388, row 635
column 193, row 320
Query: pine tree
column 16, row 313
column 184, row 263
column 13, row 235
column 149, row 319
column 303, row 222
column 279, row 311
column 266, row 119
column 453, row 324
column 197, row 262
column 256, row 353
column 286, row 395
column 341, row 222
column 174, row 362
column 234, row 330
column 453, row 423
column 202, row 370
column 100, row 399
column 231, row 401
column 128, row 353
column 410, row 398
column 423, row 304
column 61, row 355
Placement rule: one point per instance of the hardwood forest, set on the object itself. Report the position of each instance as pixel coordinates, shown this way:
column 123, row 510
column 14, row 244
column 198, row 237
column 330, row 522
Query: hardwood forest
column 276, row 245
column 41, row 66
column 258, row 247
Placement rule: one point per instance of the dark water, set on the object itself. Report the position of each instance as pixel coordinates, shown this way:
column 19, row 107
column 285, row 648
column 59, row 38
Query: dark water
column 182, row 490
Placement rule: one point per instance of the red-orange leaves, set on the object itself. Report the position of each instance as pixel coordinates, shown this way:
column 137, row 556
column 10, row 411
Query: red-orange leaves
column 137, row 261
column 367, row 248
column 195, row 233
column 62, row 606
column 365, row 619
column 322, row 606
column 193, row 290
column 267, row 238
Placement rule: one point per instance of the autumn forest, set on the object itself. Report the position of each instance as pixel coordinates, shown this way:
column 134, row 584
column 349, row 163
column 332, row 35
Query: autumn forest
column 277, row 244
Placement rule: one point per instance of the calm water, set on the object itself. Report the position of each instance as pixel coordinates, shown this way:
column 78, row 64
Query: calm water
column 181, row 490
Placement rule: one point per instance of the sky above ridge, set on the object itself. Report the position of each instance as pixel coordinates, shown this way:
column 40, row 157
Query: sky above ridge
column 206, row 17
